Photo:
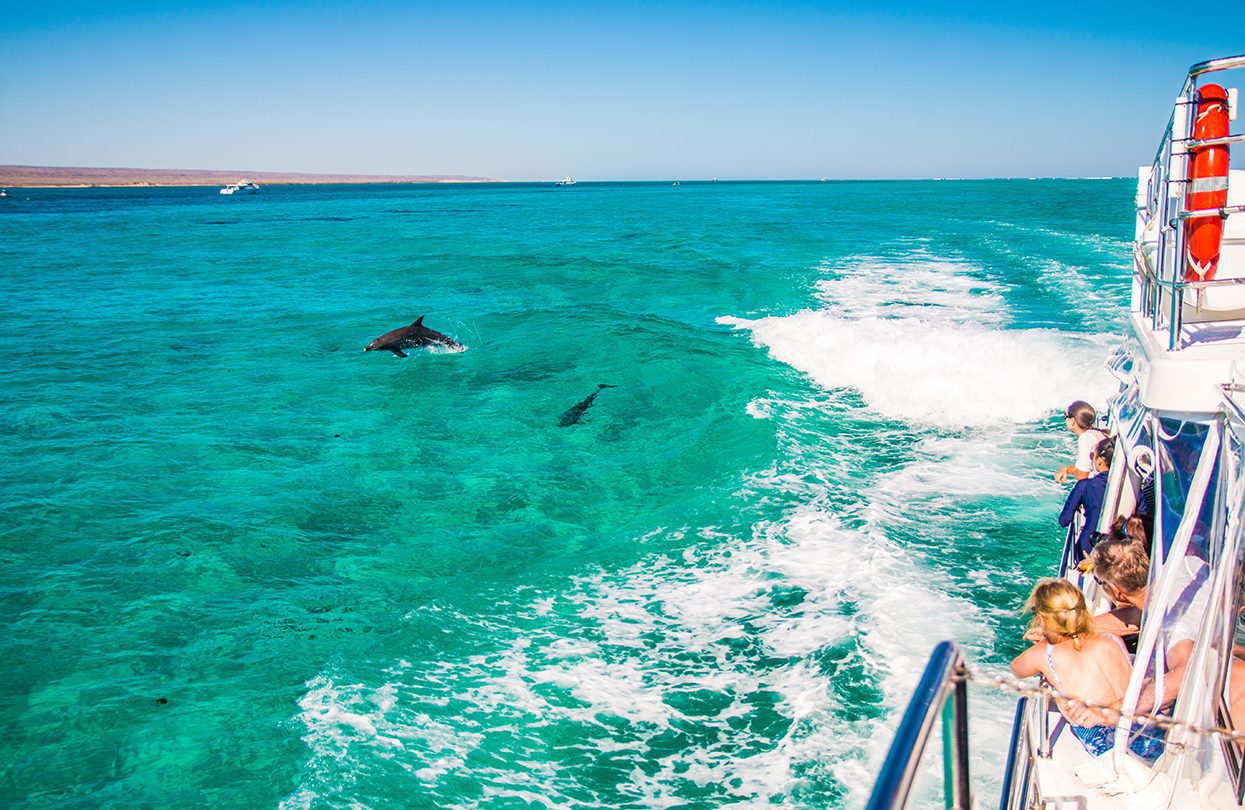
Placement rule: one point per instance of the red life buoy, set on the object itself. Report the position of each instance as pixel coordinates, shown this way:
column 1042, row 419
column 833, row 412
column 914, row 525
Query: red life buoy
column 1208, row 185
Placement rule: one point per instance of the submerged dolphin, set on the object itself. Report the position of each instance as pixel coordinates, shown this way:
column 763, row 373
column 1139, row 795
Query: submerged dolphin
column 572, row 414
column 411, row 337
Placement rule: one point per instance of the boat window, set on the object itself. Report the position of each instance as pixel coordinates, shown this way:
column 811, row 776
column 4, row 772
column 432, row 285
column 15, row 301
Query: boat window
column 1143, row 465
column 1130, row 416
column 1136, row 483
column 1230, row 707
column 1179, row 448
column 1183, row 583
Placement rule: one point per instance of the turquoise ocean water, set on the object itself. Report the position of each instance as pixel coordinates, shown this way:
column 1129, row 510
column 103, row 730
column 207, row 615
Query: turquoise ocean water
column 246, row 564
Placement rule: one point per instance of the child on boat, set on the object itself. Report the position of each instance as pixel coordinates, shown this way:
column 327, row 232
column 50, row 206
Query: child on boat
column 1088, row 495
column 1081, row 663
column 1133, row 529
column 1079, row 418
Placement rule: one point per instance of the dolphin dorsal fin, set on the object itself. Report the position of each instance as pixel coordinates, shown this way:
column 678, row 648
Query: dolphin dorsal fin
column 419, row 321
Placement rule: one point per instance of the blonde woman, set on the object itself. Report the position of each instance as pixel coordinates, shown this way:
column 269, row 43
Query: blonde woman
column 1080, row 663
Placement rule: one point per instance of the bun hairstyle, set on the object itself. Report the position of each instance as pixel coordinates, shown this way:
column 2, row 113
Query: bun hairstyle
column 1105, row 450
column 1082, row 413
column 1062, row 608
column 1135, row 530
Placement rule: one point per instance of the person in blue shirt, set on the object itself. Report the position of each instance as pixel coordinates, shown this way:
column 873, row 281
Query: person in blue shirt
column 1088, row 495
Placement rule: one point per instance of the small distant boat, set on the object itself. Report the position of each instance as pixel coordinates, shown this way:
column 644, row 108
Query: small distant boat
column 676, row 183
column 243, row 186
column 4, row 192
column 824, row 179
column 565, row 181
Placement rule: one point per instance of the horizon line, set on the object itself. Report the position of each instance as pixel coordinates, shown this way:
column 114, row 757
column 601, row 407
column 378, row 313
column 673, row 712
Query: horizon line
column 36, row 176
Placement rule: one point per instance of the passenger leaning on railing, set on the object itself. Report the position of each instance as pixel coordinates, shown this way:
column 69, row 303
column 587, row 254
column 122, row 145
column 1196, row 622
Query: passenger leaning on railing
column 1080, row 417
column 1122, row 568
column 1079, row 662
column 1088, row 495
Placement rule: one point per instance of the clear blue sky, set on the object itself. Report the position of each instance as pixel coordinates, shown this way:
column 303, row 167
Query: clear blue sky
column 524, row 91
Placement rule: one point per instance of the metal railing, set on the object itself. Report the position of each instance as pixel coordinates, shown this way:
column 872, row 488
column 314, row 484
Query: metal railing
column 942, row 692
column 1165, row 209
column 1019, row 771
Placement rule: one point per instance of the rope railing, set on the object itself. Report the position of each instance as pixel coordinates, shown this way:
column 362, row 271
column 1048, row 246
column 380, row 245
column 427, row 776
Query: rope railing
column 1163, row 721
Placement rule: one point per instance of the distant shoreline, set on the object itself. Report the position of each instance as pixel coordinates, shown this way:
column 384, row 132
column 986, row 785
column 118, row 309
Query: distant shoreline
column 87, row 177
column 82, row 177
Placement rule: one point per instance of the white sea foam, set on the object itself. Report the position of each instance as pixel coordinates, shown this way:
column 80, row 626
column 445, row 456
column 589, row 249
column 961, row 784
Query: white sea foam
column 350, row 723
column 664, row 629
column 926, row 343
column 759, row 644
column 1097, row 304
column 1069, row 283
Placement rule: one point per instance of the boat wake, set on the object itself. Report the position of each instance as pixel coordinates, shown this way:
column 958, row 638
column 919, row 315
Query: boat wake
column 927, row 343
column 742, row 670
column 765, row 665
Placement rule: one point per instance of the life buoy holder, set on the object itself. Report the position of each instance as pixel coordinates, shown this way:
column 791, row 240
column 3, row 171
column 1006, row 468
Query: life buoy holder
column 1207, row 185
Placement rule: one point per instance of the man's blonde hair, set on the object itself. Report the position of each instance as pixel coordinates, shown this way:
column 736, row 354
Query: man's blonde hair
column 1121, row 562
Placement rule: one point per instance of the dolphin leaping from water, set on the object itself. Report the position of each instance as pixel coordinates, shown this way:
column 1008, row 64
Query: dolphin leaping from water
column 573, row 414
column 412, row 337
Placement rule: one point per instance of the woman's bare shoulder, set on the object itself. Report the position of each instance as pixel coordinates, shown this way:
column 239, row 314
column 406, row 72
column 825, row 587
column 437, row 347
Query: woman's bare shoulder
column 1103, row 647
column 1092, row 646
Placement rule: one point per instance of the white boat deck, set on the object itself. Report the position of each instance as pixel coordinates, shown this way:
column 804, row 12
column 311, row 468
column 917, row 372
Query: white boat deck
column 1059, row 787
column 1189, row 378
column 1057, row 783
column 1231, row 333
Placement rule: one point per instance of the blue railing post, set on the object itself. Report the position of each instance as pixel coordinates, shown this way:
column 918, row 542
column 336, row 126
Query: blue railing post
column 938, row 683
column 1013, row 760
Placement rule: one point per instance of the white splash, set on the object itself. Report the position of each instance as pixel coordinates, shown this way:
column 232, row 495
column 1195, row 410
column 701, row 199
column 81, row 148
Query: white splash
column 927, row 343
column 758, row 643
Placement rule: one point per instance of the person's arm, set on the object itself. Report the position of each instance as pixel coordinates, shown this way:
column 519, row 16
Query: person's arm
column 1031, row 662
column 1123, row 621
column 1093, row 492
column 1028, row 663
column 1079, row 714
column 1177, row 662
column 1063, row 473
column 1070, row 505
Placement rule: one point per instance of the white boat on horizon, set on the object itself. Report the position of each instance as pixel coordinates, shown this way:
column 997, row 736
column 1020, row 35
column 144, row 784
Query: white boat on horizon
column 565, row 181
column 1178, row 419
column 242, row 186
